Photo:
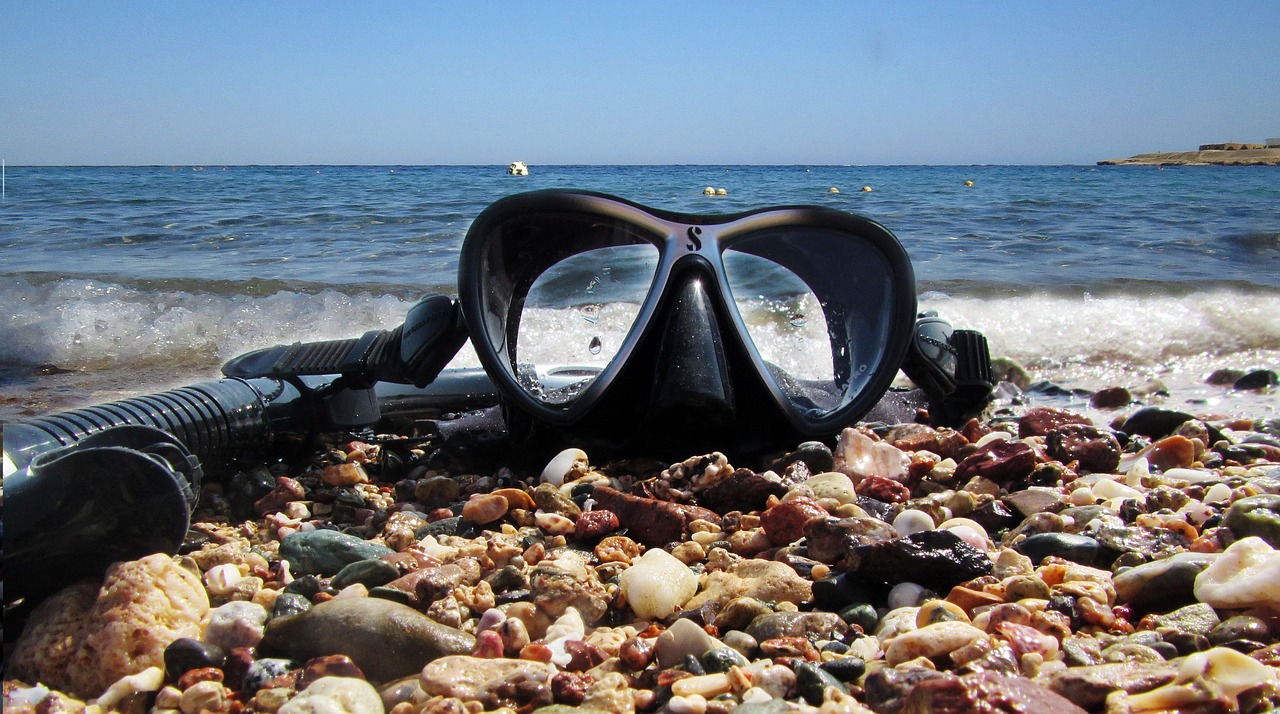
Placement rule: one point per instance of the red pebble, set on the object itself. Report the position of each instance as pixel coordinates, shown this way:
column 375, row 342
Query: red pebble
column 784, row 522
column 439, row 514
column 536, row 653
column 488, row 645
column 883, row 489
column 570, row 687
column 203, row 674
column 595, row 524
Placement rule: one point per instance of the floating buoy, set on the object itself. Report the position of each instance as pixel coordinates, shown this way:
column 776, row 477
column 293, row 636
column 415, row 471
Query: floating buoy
column 518, row 168
column 866, row 189
column 721, row 192
column 968, row 183
column 708, row 191
column 833, row 189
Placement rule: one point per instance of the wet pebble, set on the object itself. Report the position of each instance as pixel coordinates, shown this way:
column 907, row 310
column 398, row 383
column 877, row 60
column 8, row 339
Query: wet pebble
column 1077, row 548
column 187, row 653
column 325, row 552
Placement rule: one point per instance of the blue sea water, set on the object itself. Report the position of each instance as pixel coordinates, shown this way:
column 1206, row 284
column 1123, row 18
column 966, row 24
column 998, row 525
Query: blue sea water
column 137, row 278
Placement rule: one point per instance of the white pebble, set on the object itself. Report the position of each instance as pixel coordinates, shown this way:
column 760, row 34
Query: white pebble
column 554, row 523
column 1218, row 493
column 912, row 521
column 336, row 695
column 148, row 680
column 907, row 595
column 236, row 624
column 1108, row 489
column 1244, row 576
column 994, row 436
column 562, row 464
column 1082, row 496
column 221, row 579
column 657, row 583
column 297, row 510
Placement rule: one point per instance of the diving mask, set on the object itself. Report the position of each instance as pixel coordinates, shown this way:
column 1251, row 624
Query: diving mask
column 584, row 308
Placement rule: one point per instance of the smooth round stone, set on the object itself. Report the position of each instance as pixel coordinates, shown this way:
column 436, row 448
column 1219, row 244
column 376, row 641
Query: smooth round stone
column 845, row 669
column 366, row 630
column 1240, row 627
column 290, row 604
column 1167, row 582
column 1155, row 422
column 1021, row 587
column 741, row 642
column 1076, row 548
column 186, row 653
column 436, row 491
column 862, row 614
column 912, row 521
column 371, row 573
column 812, row 681
column 1255, row 516
column 325, row 552
column 721, row 659
column 336, row 695
column 795, row 624
column 1257, row 380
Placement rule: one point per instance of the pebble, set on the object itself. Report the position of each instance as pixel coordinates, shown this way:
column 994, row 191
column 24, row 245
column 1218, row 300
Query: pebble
column 325, row 552
column 1244, row 576
column 657, row 583
column 366, row 629
column 236, row 624
column 86, row 637
column 1052, row 577
column 336, row 695
column 1077, row 548
column 1255, row 516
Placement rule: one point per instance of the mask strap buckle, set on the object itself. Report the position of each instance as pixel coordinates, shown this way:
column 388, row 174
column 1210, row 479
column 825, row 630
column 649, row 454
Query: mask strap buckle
column 953, row 367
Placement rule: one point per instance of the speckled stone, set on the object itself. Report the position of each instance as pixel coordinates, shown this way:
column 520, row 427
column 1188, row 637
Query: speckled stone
column 325, row 552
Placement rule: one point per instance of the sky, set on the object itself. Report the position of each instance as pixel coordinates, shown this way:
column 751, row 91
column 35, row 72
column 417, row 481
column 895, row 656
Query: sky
column 88, row 82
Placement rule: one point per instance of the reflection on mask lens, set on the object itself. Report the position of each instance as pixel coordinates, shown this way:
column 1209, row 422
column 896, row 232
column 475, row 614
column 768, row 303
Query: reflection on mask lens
column 785, row 322
column 815, row 303
column 576, row 317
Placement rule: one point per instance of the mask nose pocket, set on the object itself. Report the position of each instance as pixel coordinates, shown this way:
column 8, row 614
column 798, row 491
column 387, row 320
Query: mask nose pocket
column 692, row 370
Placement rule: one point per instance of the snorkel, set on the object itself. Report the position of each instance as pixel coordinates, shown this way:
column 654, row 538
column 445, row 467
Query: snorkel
column 685, row 373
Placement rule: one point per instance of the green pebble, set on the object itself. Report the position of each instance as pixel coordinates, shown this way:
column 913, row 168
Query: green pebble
column 1255, row 516
column 812, row 682
column 861, row 614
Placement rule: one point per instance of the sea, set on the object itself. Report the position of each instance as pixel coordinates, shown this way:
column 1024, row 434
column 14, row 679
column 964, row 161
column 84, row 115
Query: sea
column 120, row 281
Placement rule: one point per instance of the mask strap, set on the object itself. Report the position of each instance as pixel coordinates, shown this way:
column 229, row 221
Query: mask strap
column 952, row 367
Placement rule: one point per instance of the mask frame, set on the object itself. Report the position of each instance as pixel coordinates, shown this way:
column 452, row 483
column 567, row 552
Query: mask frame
column 497, row 264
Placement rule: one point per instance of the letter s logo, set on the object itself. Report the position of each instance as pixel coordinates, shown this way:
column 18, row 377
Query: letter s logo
column 695, row 243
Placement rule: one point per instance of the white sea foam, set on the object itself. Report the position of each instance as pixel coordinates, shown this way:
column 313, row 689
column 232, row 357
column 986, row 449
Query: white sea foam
column 126, row 333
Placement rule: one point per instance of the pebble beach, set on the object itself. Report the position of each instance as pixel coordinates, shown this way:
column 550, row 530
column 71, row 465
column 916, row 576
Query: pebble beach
column 1103, row 538
column 1036, row 559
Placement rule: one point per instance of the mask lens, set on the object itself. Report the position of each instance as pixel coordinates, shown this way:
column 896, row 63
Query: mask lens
column 577, row 313
column 817, row 305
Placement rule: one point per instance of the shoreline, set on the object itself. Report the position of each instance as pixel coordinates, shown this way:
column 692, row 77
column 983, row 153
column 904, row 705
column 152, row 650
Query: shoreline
column 1215, row 157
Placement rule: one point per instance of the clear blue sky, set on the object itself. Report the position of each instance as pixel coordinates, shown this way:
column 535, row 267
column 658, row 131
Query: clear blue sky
column 228, row 82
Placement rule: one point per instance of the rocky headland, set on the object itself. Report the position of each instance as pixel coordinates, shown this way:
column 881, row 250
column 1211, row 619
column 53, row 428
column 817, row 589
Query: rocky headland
column 1231, row 154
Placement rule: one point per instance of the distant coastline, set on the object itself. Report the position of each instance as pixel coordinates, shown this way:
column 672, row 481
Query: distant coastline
column 1208, row 155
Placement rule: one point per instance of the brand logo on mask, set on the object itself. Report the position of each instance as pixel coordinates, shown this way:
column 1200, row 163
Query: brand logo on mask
column 695, row 243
